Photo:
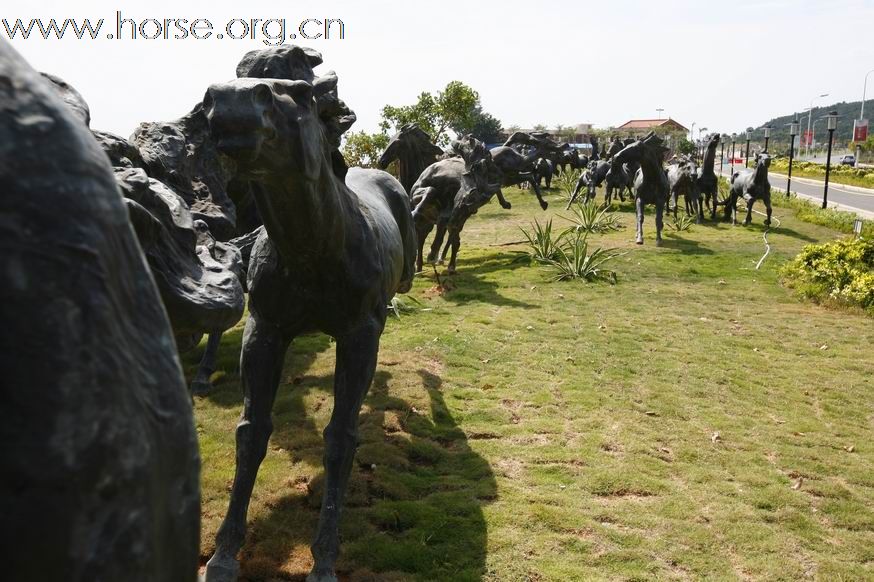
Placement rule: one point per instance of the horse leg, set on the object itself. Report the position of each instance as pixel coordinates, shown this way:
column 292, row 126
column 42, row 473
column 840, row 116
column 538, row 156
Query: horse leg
column 576, row 193
column 698, row 208
column 660, row 207
column 422, row 233
column 201, row 384
column 608, row 194
column 503, row 201
column 455, row 241
column 639, row 205
column 261, row 361
column 356, row 363
column 676, row 197
column 749, row 218
column 767, row 201
column 438, row 242
column 543, row 204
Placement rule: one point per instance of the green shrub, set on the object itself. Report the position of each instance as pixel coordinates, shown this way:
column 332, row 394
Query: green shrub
column 543, row 245
column 589, row 217
column 575, row 262
column 840, row 271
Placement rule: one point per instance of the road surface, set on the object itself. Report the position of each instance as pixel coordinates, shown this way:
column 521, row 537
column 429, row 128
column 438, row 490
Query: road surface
column 859, row 200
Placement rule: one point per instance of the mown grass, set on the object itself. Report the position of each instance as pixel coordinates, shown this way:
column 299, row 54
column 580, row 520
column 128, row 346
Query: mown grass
column 693, row 421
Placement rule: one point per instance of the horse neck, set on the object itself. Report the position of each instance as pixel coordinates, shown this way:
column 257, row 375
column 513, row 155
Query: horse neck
column 305, row 217
column 761, row 174
column 650, row 167
column 709, row 159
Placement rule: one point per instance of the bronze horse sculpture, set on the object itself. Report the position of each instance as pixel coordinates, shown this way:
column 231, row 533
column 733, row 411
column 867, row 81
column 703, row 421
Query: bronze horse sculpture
column 708, row 183
column 413, row 150
column 751, row 185
column 335, row 249
column 99, row 457
column 683, row 181
column 650, row 182
column 469, row 175
column 516, row 168
column 479, row 186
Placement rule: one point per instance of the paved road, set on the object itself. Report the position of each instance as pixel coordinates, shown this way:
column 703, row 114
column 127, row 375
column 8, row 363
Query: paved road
column 859, row 200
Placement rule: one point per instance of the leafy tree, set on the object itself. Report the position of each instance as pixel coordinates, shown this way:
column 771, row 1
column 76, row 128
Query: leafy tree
column 455, row 106
column 483, row 126
column 363, row 149
column 539, row 127
column 684, row 146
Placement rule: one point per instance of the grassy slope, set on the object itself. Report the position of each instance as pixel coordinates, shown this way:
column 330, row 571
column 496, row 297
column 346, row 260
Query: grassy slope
column 524, row 430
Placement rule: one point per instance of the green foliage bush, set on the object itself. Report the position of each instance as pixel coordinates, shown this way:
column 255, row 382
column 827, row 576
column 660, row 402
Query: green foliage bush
column 863, row 177
column 840, row 271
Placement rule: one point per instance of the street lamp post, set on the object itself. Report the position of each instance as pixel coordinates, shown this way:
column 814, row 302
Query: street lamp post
column 793, row 131
column 692, row 133
column 809, row 136
column 767, row 136
column 813, row 134
column 749, row 137
column 721, row 153
column 862, row 114
column 701, row 144
column 832, row 118
column 733, row 138
column 660, row 110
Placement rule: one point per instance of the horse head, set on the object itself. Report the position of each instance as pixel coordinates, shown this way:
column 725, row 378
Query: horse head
column 410, row 139
column 268, row 124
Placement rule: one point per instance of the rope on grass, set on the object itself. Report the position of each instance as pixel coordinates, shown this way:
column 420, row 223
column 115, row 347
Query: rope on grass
column 765, row 238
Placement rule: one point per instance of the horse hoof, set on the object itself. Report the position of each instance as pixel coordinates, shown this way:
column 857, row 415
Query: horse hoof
column 507, row 206
column 544, row 205
column 222, row 570
column 323, row 576
column 767, row 223
column 200, row 388
column 450, row 271
column 658, row 242
column 639, row 241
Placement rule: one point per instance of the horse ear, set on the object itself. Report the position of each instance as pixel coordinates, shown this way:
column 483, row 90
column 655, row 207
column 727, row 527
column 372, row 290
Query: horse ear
column 325, row 84
column 300, row 91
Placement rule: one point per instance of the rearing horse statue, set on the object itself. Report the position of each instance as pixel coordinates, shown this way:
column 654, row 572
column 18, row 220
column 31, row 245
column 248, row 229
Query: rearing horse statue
column 708, row 183
column 332, row 255
column 650, row 182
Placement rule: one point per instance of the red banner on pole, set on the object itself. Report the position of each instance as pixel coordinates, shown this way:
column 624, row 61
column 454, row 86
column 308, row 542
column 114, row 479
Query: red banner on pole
column 806, row 138
column 860, row 130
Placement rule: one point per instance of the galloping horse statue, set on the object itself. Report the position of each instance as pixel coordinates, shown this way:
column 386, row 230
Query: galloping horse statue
column 751, row 185
column 335, row 249
column 683, row 181
column 650, row 182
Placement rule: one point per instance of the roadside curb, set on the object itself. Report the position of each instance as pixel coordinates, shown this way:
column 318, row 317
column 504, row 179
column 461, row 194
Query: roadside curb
column 821, row 183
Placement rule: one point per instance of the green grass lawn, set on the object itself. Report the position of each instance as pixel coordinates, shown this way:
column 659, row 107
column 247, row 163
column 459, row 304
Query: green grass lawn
column 693, row 421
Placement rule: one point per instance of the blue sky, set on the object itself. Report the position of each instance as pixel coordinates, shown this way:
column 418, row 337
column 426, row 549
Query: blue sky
column 722, row 65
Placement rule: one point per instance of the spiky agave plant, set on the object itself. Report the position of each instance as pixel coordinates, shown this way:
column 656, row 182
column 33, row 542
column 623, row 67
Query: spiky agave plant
column 590, row 217
column 682, row 222
column 543, row 244
column 575, row 262
column 567, row 181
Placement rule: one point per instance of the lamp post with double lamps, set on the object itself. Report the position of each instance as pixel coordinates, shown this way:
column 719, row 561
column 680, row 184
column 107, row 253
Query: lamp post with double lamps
column 810, row 110
column 767, row 130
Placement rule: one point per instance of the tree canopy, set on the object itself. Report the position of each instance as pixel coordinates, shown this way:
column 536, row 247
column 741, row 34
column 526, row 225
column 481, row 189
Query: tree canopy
column 457, row 107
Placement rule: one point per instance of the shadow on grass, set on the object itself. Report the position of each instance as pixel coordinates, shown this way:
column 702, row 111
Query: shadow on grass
column 469, row 284
column 414, row 503
column 673, row 240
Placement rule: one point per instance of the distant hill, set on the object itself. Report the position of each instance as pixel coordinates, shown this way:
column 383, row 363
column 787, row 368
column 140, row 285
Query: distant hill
column 847, row 112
